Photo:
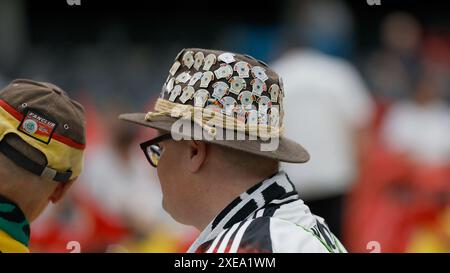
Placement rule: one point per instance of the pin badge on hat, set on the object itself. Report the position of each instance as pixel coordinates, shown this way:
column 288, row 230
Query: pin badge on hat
column 243, row 69
column 240, row 113
column 224, row 71
column 174, row 68
column 274, row 91
column 195, row 78
column 168, row 78
column 198, row 60
column 246, row 98
column 169, row 85
column 260, row 73
column 187, row 94
column 188, row 59
column 207, row 77
column 200, row 97
column 183, row 77
column 176, row 91
column 227, row 57
column 258, row 86
column 252, row 117
column 274, row 116
column 264, row 103
column 210, row 60
column 213, row 106
column 228, row 104
column 220, row 89
column 237, row 84
column 263, row 118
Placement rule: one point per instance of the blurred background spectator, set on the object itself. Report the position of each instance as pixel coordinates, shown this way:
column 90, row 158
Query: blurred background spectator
column 329, row 108
column 372, row 84
column 392, row 68
column 419, row 126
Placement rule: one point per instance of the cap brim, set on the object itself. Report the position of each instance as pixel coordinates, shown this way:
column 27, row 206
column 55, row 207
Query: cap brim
column 287, row 150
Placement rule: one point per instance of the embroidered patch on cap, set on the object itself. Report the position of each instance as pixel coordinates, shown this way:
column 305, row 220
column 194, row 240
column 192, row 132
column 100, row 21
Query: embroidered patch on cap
column 37, row 126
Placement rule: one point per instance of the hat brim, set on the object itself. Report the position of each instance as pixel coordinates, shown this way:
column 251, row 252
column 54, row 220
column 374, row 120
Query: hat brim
column 287, row 150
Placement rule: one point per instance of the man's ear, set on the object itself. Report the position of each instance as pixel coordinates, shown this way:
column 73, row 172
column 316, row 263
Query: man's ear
column 197, row 154
column 60, row 191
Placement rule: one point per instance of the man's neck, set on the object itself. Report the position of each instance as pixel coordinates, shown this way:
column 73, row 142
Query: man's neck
column 221, row 192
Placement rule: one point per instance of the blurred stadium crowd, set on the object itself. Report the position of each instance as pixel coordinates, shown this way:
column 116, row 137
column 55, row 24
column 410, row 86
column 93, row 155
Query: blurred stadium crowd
column 372, row 109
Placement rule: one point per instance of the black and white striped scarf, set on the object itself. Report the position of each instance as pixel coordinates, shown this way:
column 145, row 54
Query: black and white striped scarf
column 263, row 199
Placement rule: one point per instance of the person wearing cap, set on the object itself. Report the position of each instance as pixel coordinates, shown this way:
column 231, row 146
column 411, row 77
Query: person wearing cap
column 42, row 138
column 220, row 124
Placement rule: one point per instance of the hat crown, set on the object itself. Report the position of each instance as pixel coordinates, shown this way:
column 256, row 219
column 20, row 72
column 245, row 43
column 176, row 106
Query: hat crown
column 236, row 85
column 42, row 129
column 51, row 102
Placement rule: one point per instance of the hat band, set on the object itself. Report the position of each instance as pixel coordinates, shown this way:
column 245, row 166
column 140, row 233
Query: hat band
column 209, row 119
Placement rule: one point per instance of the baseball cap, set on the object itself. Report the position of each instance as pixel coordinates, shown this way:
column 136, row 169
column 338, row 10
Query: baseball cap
column 42, row 130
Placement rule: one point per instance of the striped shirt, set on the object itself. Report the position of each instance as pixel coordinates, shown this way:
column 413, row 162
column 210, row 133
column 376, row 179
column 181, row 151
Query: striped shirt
column 268, row 218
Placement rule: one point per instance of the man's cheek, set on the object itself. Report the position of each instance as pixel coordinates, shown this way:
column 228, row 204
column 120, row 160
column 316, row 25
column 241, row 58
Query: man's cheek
column 165, row 168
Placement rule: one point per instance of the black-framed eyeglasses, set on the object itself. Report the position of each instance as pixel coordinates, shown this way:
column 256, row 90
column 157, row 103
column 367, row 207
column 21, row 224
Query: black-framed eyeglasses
column 152, row 150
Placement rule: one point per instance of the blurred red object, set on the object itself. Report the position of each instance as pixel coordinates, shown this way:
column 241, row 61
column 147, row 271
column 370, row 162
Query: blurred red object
column 95, row 131
column 391, row 199
column 81, row 220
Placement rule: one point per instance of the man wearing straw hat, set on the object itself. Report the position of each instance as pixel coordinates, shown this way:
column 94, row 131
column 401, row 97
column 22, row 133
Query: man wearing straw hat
column 220, row 124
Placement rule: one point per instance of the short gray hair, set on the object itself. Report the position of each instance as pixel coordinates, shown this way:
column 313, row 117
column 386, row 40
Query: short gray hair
column 248, row 162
